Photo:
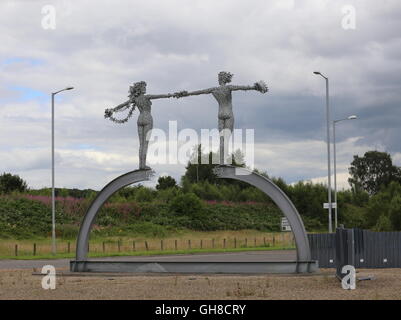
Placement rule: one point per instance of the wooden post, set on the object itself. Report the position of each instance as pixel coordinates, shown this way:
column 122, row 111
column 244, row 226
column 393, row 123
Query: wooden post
column 104, row 247
column 213, row 243
column 235, row 243
column 175, row 245
column 69, row 247
column 274, row 241
column 246, row 242
column 34, row 249
column 254, row 244
column 264, row 241
column 189, row 244
column 119, row 245
column 16, row 250
column 146, row 245
column 224, row 243
column 161, row 245
column 201, row 244
column 88, row 246
column 133, row 245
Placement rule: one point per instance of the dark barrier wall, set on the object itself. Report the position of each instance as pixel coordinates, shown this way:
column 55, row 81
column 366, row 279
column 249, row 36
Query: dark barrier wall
column 323, row 249
column 360, row 248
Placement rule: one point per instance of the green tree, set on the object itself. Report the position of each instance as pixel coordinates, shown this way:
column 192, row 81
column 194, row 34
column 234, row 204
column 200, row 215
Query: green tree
column 10, row 183
column 166, row 182
column 383, row 224
column 200, row 166
column 186, row 204
column 373, row 171
column 384, row 208
column 395, row 212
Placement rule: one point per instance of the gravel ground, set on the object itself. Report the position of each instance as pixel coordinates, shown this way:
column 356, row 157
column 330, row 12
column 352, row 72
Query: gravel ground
column 22, row 284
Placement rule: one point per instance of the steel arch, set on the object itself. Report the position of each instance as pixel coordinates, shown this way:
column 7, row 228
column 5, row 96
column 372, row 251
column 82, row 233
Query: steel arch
column 112, row 187
column 279, row 197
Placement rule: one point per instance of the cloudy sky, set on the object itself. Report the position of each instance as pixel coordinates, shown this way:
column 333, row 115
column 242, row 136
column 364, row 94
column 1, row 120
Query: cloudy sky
column 101, row 47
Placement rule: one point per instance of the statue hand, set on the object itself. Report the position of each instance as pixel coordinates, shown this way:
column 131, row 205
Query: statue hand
column 180, row 94
column 261, row 86
column 108, row 113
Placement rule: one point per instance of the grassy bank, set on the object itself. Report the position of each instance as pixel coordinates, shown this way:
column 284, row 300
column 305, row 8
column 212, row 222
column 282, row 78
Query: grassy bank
column 182, row 242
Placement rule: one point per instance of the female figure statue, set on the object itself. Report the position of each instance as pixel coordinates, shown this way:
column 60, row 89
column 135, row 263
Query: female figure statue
column 138, row 98
column 222, row 94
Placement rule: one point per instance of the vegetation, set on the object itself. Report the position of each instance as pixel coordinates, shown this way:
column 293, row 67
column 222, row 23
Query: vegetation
column 12, row 183
column 203, row 203
column 373, row 171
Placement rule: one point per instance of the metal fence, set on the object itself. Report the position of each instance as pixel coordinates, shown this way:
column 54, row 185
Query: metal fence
column 360, row 248
column 323, row 249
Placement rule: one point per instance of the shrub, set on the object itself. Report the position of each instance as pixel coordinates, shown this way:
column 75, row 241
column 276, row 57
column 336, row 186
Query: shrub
column 11, row 183
column 186, row 204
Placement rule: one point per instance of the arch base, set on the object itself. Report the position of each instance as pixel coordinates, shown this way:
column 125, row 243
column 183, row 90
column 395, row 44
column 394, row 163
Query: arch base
column 303, row 263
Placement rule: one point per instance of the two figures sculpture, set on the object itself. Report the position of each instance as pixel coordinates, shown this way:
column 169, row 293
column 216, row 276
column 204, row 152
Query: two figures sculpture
column 222, row 93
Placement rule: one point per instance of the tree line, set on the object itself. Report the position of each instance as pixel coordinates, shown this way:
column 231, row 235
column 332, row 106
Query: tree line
column 373, row 201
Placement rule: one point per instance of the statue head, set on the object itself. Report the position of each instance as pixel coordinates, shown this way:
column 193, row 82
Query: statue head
column 225, row 77
column 137, row 89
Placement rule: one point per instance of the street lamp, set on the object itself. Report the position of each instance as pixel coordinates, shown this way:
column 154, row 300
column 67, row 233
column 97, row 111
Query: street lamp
column 328, row 147
column 353, row 117
column 53, row 193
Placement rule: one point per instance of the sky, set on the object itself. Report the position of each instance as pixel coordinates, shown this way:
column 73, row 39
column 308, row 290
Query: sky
column 102, row 47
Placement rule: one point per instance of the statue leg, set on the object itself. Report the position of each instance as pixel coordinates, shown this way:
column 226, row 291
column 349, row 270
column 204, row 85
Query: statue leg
column 221, row 127
column 225, row 129
column 141, row 135
column 147, row 132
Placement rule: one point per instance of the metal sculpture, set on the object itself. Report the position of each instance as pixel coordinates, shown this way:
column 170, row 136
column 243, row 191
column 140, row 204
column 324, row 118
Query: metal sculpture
column 112, row 187
column 280, row 199
column 138, row 98
column 223, row 95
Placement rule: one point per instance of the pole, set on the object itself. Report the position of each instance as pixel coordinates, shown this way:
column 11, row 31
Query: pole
column 328, row 152
column 53, row 193
column 335, row 174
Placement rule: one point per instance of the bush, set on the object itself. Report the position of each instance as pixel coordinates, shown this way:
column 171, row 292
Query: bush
column 11, row 183
column 186, row 204
column 166, row 182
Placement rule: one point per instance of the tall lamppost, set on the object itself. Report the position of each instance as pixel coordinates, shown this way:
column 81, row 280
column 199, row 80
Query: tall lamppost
column 328, row 147
column 53, row 193
column 353, row 117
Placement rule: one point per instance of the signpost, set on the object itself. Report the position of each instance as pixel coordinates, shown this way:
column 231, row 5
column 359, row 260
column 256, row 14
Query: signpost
column 326, row 205
column 285, row 225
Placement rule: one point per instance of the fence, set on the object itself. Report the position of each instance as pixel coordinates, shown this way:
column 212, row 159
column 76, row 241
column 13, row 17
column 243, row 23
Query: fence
column 323, row 249
column 360, row 248
column 26, row 248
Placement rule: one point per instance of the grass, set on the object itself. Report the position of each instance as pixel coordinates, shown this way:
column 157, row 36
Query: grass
column 180, row 243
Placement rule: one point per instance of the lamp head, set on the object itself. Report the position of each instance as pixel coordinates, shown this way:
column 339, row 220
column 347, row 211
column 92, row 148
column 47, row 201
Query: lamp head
column 353, row 117
column 69, row 88
column 316, row 72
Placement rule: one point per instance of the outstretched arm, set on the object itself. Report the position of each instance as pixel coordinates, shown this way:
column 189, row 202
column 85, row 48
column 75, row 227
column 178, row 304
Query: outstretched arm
column 234, row 88
column 158, row 96
column 184, row 93
column 259, row 86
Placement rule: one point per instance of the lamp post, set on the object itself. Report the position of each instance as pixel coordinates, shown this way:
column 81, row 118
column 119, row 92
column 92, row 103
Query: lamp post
column 353, row 117
column 328, row 147
column 53, row 193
